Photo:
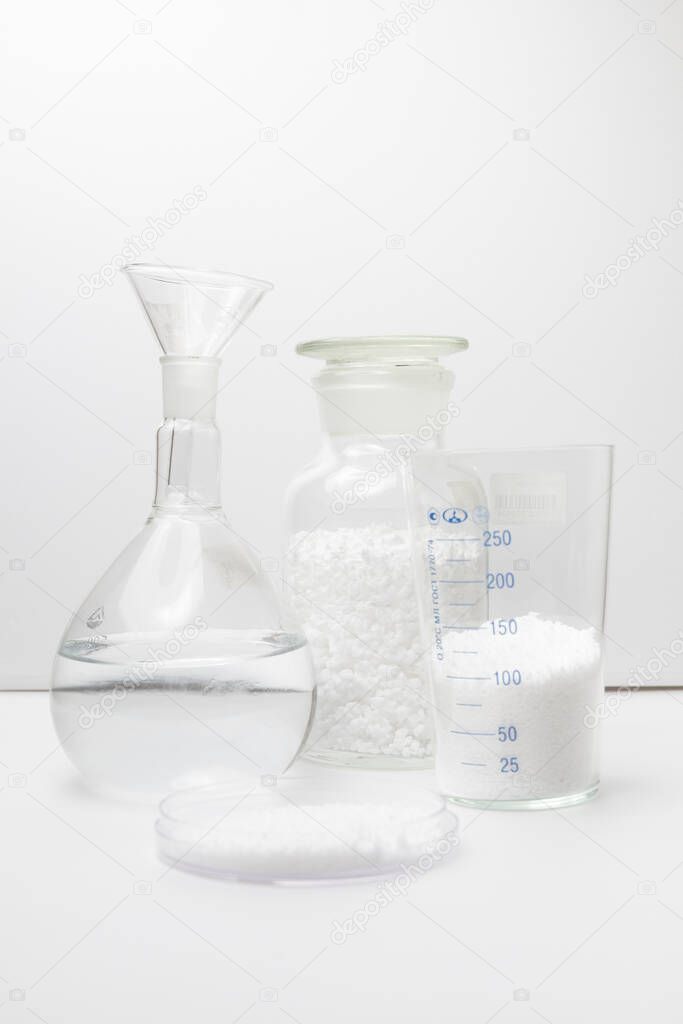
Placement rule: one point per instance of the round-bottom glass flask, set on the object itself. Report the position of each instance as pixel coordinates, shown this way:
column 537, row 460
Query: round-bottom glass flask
column 348, row 563
column 180, row 668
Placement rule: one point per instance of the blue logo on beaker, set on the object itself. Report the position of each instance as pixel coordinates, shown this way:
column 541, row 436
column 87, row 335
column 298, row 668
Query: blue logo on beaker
column 433, row 515
column 454, row 515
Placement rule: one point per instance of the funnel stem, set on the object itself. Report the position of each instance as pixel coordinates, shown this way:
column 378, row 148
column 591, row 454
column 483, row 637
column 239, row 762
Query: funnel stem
column 188, row 441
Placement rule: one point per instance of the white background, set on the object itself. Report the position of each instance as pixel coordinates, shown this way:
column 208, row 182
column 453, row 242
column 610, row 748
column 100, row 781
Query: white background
column 112, row 111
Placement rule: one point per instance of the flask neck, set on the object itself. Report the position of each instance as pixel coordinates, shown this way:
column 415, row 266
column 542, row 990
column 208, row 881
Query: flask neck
column 188, row 441
column 190, row 386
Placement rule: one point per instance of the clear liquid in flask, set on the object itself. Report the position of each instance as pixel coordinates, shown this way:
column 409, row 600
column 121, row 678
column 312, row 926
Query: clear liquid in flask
column 227, row 705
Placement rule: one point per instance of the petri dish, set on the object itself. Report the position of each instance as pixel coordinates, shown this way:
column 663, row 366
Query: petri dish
column 306, row 829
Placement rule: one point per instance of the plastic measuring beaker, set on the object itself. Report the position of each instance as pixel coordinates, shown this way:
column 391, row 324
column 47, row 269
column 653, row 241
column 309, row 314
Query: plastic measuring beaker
column 511, row 556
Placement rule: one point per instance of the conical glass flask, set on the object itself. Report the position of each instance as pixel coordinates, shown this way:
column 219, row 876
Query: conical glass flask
column 179, row 669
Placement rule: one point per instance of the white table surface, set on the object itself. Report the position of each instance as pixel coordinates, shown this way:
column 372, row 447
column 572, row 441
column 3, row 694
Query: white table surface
column 554, row 916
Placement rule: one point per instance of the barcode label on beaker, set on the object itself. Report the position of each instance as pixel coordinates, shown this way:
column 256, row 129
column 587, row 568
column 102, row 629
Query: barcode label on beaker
column 528, row 498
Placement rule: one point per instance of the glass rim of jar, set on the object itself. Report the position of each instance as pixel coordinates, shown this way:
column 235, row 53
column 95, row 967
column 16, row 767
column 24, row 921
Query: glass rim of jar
column 382, row 348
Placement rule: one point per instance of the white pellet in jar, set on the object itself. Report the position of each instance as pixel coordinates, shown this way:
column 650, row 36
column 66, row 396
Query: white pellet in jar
column 353, row 591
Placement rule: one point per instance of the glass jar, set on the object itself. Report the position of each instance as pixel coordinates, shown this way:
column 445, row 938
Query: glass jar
column 348, row 562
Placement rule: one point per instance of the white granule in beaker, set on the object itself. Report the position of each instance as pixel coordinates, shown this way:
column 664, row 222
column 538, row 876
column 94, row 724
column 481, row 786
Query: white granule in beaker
column 512, row 709
column 353, row 591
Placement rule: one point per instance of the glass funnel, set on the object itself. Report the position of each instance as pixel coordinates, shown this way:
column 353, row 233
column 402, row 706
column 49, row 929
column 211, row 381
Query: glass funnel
column 180, row 669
